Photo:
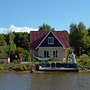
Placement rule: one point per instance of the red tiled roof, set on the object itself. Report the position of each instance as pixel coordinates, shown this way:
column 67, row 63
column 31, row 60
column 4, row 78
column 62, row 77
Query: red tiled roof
column 37, row 36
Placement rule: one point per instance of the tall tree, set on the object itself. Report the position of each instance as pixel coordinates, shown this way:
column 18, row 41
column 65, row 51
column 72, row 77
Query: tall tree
column 2, row 40
column 76, row 37
column 12, row 46
column 45, row 27
column 80, row 38
column 86, row 41
column 22, row 40
column 81, row 27
column 3, row 46
column 88, row 31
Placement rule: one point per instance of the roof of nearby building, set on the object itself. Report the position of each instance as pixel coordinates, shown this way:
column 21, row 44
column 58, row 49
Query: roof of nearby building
column 36, row 38
column 2, row 56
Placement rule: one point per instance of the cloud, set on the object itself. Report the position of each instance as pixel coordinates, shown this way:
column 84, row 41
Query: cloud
column 3, row 30
column 17, row 29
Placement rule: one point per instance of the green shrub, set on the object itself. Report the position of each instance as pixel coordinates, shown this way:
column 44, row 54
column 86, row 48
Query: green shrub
column 17, row 67
column 88, row 53
column 84, row 63
column 1, row 62
column 11, row 67
column 24, row 67
column 29, row 66
column 16, row 62
column 20, row 67
column 1, row 67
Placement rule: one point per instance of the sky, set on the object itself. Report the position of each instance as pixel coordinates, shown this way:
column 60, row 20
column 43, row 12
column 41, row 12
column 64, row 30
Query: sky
column 28, row 15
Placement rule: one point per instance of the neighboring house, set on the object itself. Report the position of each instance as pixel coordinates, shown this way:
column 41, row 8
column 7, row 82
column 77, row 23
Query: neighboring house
column 4, row 59
column 49, row 43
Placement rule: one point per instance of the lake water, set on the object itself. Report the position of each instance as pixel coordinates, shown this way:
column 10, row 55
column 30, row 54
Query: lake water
column 58, row 81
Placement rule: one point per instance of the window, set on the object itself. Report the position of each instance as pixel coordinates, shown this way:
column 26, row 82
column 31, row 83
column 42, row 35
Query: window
column 50, row 40
column 55, row 53
column 46, row 53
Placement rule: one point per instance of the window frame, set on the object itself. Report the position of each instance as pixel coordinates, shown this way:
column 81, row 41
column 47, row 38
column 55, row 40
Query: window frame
column 55, row 53
column 50, row 40
column 46, row 53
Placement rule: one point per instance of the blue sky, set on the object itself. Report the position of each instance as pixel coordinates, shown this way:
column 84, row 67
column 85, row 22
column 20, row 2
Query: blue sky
column 33, row 13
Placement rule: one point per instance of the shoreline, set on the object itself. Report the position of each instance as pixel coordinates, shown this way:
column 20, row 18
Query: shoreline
column 31, row 68
column 35, row 71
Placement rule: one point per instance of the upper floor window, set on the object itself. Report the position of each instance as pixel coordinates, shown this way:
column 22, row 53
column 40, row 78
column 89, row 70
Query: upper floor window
column 50, row 40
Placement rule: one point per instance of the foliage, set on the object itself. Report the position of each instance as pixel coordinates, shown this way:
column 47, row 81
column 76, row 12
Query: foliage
column 26, row 55
column 22, row 40
column 84, row 63
column 16, row 61
column 3, row 45
column 45, row 27
column 18, row 67
column 1, row 67
column 75, row 38
column 1, row 62
column 12, row 46
column 11, row 43
column 79, row 38
column 2, row 40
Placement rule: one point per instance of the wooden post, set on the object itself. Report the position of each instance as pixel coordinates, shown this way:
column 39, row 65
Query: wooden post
column 20, row 55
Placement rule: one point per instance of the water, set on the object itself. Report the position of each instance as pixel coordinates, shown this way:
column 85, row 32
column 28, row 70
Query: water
column 59, row 81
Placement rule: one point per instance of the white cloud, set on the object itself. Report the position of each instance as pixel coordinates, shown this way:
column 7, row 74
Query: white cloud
column 3, row 30
column 17, row 29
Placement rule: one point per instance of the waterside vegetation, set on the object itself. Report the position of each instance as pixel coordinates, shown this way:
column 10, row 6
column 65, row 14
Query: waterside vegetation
column 17, row 45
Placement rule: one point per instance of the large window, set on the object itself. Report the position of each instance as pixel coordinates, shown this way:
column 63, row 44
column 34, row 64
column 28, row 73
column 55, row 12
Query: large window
column 55, row 53
column 50, row 40
column 46, row 53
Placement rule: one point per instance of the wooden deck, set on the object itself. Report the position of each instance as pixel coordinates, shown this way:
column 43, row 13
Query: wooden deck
column 57, row 67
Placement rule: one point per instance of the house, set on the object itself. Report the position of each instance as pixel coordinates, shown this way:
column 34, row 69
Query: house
column 49, row 43
column 4, row 59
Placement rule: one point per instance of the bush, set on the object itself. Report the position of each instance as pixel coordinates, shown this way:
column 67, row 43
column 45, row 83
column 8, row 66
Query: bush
column 24, row 67
column 16, row 61
column 29, row 67
column 84, row 63
column 1, row 67
column 1, row 62
column 20, row 67
column 17, row 67
column 11, row 67
column 88, row 53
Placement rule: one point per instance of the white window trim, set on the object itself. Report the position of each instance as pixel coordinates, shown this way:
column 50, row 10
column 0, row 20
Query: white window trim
column 52, row 41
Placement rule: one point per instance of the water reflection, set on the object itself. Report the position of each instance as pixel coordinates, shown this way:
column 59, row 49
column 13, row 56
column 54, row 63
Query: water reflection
column 59, row 81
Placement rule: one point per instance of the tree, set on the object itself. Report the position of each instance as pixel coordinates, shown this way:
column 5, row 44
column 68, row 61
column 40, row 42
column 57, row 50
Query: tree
column 86, row 41
column 12, row 46
column 2, row 40
column 81, row 27
column 3, row 45
column 45, row 27
column 22, row 40
column 76, row 37
column 80, row 38
column 88, row 31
